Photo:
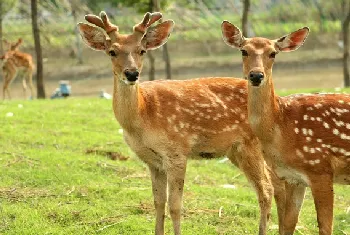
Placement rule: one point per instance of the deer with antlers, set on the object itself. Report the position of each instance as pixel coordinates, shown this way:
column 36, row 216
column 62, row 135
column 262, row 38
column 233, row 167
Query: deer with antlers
column 305, row 136
column 13, row 60
column 167, row 122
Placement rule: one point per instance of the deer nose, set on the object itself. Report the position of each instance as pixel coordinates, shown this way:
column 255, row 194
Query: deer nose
column 256, row 78
column 131, row 76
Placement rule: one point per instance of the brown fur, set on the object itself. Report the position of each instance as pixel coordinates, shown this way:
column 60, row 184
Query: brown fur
column 13, row 61
column 305, row 136
column 167, row 122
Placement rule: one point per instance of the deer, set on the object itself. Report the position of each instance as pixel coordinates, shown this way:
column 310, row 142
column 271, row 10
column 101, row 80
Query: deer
column 167, row 122
column 305, row 136
column 13, row 60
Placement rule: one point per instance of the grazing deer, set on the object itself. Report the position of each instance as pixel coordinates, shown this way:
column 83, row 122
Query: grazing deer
column 14, row 60
column 167, row 122
column 306, row 136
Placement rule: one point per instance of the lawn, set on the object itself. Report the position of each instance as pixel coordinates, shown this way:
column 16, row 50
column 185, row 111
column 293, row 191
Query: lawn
column 59, row 176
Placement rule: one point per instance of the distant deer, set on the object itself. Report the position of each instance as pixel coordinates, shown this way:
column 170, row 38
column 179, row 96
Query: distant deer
column 167, row 122
column 14, row 60
column 306, row 136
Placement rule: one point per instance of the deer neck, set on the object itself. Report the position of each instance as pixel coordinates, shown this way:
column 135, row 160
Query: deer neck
column 127, row 104
column 263, row 109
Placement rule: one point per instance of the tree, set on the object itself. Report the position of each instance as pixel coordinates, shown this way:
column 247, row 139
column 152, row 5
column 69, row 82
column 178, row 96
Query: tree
column 166, row 57
column 5, row 6
column 39, row 58
column 75, row 5
column 246, row 6
column 345, row 29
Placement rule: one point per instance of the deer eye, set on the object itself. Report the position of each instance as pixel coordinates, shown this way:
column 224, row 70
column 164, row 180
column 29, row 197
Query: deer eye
column 142, row 52
column 112, row 53
column 244, row 53
column 272, row 55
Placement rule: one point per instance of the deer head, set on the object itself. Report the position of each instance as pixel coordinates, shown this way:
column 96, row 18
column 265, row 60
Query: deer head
column 259, row 53
column 13, row 46
column 126, row 50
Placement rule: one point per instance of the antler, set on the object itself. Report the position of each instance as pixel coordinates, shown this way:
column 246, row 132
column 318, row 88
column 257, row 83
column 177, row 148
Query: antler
column 102, row 22
column 147, row 21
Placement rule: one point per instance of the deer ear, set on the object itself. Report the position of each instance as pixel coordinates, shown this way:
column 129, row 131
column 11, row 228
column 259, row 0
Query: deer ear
column 158, row 35
column 94, row 37
column 292, row 41
column 232, row 35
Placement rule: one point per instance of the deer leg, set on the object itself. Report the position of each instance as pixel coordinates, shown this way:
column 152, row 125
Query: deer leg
column 280, row 199
column 251, row 162
column 322, row 191
column 6, row 85
column 30, row 82
column 176, row 171
column 294, row 200
column 24, row 85
column 159, row 188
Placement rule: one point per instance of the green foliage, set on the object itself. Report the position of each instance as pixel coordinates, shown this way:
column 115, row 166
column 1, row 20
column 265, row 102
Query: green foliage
column 141, row 6
column 6, row 6
column 50, row 185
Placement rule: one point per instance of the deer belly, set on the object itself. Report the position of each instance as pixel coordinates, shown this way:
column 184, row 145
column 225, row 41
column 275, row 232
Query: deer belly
column 292, row 176
column 342, row 178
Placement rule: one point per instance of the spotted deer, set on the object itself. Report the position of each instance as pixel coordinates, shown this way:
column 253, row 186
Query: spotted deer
column 305, row 136
column 167, row 122
column 13, row 60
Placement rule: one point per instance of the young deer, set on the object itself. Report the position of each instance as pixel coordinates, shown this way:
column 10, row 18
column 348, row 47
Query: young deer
column 167, row 122
column 306, row 136
column 13, row 61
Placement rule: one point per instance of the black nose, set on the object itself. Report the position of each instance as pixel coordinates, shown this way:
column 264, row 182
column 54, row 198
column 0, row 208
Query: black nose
column 256, row 78
column 132, row 76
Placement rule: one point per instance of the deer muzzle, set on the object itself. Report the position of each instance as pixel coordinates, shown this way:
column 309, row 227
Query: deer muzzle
column 256, row 78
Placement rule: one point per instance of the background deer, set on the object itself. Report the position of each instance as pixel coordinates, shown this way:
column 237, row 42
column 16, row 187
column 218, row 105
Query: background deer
column 13, row 60
column 306, row 136
column 167, row 122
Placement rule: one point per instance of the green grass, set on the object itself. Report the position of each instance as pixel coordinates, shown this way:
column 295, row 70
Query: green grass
column 50, row 185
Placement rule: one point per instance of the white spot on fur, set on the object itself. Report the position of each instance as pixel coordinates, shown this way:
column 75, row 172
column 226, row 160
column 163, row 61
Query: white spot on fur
column 299, row 153
column 296, row 130
column 335, row 131
column 326, row 125
column 304, row 131
column 310, row 132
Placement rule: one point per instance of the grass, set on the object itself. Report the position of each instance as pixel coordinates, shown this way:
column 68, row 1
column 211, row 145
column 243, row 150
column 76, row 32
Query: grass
column 49, row 184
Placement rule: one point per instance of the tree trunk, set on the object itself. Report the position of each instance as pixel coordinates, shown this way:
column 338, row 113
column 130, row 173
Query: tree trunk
column 246, row 6
column 1, row 37
column 152, row 70
column 77, row 39
column 39, row 58
column 166, row 56
column 345, row 29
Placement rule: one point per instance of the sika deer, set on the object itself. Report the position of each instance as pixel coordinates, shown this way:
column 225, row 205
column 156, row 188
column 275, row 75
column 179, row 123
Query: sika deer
column 167, row 122
column 305, row 136
column 13, row 61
